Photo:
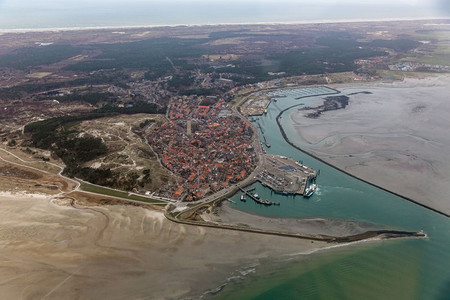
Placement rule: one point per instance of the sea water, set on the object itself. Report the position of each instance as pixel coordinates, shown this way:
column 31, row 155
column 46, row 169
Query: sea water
column 28, row 14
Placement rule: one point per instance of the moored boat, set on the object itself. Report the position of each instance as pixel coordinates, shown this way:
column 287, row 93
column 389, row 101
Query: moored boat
column 310, row 190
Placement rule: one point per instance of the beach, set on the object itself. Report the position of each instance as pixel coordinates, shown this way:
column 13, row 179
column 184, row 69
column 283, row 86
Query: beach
column 207, row 24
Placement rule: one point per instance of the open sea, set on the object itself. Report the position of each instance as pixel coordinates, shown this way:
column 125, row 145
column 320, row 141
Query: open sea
column 395, row 269
column 45, row 14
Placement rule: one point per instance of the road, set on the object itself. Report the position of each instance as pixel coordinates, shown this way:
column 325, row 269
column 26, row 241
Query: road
column 77, row 184
column 78, row 181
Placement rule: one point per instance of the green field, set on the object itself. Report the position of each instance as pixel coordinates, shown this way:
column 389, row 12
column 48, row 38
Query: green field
column 438, row 49
column 105, row 191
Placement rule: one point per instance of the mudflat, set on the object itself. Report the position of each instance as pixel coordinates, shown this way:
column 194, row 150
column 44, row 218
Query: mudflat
column 394, row 135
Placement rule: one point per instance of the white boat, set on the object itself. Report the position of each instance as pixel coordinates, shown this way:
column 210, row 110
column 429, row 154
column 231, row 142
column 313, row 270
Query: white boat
column 310, row 190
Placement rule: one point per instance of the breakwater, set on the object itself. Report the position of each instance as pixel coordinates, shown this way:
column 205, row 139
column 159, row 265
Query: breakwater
column 381, row 234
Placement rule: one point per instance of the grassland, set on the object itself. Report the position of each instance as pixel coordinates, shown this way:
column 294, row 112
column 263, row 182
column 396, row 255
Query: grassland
column 115, row 193
column 436, row 52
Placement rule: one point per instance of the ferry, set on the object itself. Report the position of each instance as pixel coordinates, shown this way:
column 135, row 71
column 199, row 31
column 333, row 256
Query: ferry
column 310, row 190
column 243, row 198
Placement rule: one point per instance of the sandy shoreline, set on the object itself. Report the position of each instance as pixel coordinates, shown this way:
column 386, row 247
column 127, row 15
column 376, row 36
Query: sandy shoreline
column 57, row 251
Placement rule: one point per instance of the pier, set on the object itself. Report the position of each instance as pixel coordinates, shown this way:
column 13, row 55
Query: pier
column 258, row 200
column 260, row 128
column 266, row 142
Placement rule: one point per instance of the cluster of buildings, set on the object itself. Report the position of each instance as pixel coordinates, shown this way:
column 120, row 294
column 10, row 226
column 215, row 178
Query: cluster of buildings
column 152, row 91
column 204, row 145
column 143, row 90
column 406, row 66
column 414, row 66
column 371, row 63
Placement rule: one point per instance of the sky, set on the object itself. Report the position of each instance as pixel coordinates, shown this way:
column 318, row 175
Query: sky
column 16, row 14
column 72, row 3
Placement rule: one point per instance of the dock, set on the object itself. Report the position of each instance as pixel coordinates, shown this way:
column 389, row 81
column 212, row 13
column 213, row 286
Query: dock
column 260, row 128
column 266, row 142
column 258, row 200
column 284, row 175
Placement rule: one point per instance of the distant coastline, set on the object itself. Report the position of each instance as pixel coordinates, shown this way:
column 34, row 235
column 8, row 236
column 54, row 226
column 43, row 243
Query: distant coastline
column 149, row 26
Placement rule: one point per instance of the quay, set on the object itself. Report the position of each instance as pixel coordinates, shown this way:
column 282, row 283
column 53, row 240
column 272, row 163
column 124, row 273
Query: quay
column 284, row 175
column 258, row 200
column 256, row 106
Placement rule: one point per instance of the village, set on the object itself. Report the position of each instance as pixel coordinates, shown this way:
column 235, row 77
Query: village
column 209, row 149
column 204, row 145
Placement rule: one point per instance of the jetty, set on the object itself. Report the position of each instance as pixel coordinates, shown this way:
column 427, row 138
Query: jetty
column 266, row 142
column 260, row 128
column 257, row 199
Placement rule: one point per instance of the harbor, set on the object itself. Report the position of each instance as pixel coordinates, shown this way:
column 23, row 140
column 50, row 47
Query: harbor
column 343, row 197
column 256, row 106
column 299, row 93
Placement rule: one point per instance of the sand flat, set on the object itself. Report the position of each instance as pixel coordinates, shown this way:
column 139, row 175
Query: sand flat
column 51, row 250
column 397, row 137
column 322, row 226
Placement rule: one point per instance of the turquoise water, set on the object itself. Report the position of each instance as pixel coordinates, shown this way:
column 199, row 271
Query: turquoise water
column 400, row 269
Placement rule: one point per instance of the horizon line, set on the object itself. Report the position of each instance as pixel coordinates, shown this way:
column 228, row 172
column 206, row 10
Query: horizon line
column 323, row 21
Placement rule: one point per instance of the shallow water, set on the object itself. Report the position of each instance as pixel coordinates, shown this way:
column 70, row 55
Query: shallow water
column 396, row 269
